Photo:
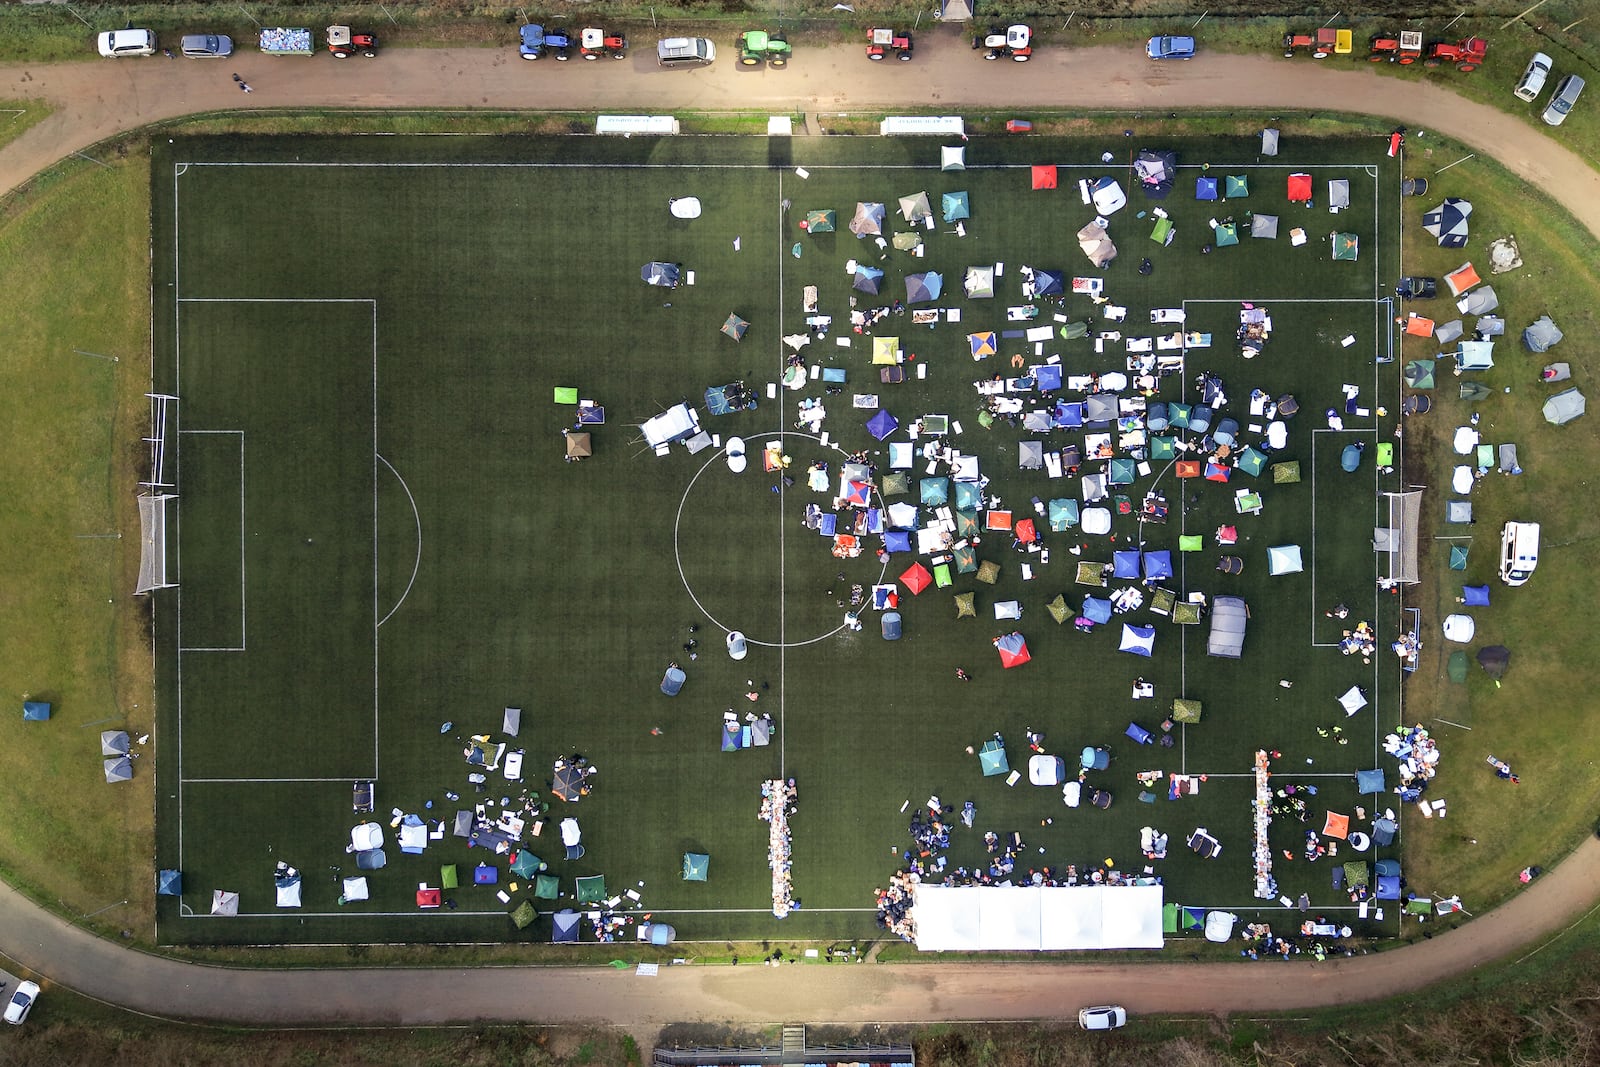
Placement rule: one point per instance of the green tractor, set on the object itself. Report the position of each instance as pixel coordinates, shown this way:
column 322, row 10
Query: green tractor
column 759, row 46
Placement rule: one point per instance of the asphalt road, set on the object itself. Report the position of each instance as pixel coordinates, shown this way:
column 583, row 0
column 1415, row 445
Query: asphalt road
column 96, row 99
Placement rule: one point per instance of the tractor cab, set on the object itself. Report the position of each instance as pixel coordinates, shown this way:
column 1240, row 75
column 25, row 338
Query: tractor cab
column 759, row 46
column 594, row 43
column 344, row 44
column 882, row 43
column 558, row 43
column 1013, row 42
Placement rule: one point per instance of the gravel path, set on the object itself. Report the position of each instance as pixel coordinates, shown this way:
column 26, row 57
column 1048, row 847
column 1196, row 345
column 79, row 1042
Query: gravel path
column 96, row 99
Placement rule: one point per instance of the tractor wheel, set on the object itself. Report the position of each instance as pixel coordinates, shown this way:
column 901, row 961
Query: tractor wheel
column 749, row 61
column 991, row 54
column 1320, row 55
column 1289, row 54
column 904, row 57
column 619, row 54
column 1377, row 57
column 1466, row 68
column 876, row 57
column 1432, row 62
column 341, row 55
column 590, row 57
column 778, row 62
column 1021, row 58
column 1406, row 61
column 370, row 54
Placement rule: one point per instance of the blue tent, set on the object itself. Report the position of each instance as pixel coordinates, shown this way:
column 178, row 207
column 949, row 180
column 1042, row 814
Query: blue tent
column 1155, row 417
column 1137, row 640
column 897, row 541
column 1158, row 565
column 882, row 424
column 1125, row 564
column 867, row 279
column 1049, row 282
column 567, row 925
column 1475, row 596
column 1205, row 189
column 992, row 758
column 35, row 711
column 1350, row 457
column 935, row 491
column 1370, row 782
column 1096, row 609
column 956, row 206
column 1063, row 514
column 169, row 884
column 1069, row 414
column 891, row 625
column 1388, row 887
column 726, row 399
column 923, row 288
column 968, row 496
column 1047, row 377
column 672, row 681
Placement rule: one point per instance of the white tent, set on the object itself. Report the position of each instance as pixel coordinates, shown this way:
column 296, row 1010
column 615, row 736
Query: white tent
column 1475, row 355
column 1096, row 521
column 1284, row 559
column 1037, row 918
column 1353, row 700
column 675, row 424
column 1459, row 628
column 953, row 157
column 979, row 283
column 288, row 890
column 1008, row 609
column 1108, row 196
column 915, row 207
column 354, row 889
column 366, row 837
column 1138, row 640
column 224, row 902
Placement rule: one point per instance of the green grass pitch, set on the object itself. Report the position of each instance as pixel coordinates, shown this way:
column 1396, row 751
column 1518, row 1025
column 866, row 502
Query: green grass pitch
column 377, row 534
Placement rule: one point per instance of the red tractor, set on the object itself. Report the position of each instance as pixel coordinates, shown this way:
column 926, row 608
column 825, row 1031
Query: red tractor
column 1404, row 48
column 882, row 43
column 1321, row 45
column 1467, row 55
column 594, row 43
column 344, row 44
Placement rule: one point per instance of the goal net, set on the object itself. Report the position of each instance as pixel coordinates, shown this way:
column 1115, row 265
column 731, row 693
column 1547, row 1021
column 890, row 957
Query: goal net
column 153, row 542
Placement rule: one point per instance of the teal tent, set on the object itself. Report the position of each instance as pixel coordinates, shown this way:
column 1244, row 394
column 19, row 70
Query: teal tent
column 695, row 865
column 1237, row 185
column 1121, row 471
column 591, row 890
column 547, row 887
column 1163, row 448
column 967, row 524
column 35, row 711
column 1419, row 374
column 1458, row 557
column 956, row 206
column 1251, row 461
column 1178, row 415
column 525, row 864
column 1227, row 234
column 1346, row 246
column 968, row 496
column 935, row 491
column 992, row 758
column 820, row 221
column 1063, row 514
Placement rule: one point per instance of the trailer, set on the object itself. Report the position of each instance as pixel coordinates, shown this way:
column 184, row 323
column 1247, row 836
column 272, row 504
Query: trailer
column 287, row 41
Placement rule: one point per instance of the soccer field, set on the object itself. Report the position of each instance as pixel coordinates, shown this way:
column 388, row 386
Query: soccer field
column 378, row 545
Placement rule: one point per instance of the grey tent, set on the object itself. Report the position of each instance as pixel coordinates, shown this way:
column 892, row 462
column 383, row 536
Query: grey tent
column 867, row 279
column 868, row 220
column 1494, row 659
column 1556, row 372
column 511, row 721
column 1228, row 618
column 666, row 275
column 1458, row 512
column 1100, row 407
column 1338, row 194
column 761, row 732
column 118, row 769
column 1156, row 169
column 114, row 743
column 1564, row 407
column 463, row 824
column 1508, row 459
column 1448, row 222
column 1479, row 301
column 1541, row 335
column 923, row 288
column 1446, row 332
column 1264, row 226
column 1269, row 142
column 915, row 208
column 1030, row 455
column 1489, row 326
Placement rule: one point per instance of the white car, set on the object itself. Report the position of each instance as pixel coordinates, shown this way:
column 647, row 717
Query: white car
column 1108, row 1017
column 21, row 1002
column 1532, row 81
column 118, row 43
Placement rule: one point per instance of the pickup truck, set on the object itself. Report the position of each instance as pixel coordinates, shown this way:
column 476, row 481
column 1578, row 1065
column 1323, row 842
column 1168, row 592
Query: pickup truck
column 280, row 41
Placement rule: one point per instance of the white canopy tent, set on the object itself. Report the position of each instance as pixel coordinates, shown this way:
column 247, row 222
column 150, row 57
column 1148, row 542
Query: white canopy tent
column 1037, row 918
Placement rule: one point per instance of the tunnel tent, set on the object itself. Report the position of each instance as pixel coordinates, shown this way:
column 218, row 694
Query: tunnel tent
column 1540, row 336
column 1563, row 407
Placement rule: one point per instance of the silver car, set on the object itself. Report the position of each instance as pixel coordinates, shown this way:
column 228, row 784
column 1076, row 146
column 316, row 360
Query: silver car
column 1567, row 91
column 207, row 45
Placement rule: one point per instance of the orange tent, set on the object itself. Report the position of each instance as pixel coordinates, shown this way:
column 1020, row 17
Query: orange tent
column 1461, row 279
column 997, row 520
column 1336, row 826
column 1188, row 468
column 1044, row 176
column 1417, row 326
column 1027, row 532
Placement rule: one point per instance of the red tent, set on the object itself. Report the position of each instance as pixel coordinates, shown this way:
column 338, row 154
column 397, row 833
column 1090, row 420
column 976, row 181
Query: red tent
column 428, row 898
column 1216, row 472
column 1044, row 176
column 995, row 519
column 916, row 578
column 1188, row 468
column 1013, row 650
column 1299, row 187
column 1027, row 532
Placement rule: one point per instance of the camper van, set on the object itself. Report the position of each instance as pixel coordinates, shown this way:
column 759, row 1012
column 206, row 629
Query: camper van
column 1519, row 552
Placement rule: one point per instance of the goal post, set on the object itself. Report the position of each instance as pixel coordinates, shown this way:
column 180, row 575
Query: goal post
column 153, row 542
column 160, row 406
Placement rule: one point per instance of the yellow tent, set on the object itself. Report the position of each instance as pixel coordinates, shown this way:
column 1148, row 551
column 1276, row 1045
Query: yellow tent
column 885, row 350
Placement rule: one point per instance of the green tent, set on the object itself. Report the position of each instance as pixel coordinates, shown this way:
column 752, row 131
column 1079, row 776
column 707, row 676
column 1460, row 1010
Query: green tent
column 1169, row 918
column 1074, row 331
column 1162, row 601
column 1163, row 448
column 1191, row 543
column 966, row 558
column 1063, row 514
column 1419, row 374
column 1186, row 710
column 1058, row 609
column 1356, row 873
column 965, row 609
column 1419, row 906
column 988, row 572
column 941, row 576
column 1345, row 246
column 1092, row 574
column 1227, row 234
column 591, row 890
column 1458, row 666
column 523, row 915
column 547, row 887
column 1186, row 614
column 1251, row 461
column 1236, row 185
column 1458, row 557
column 1475, row 391
column 1121, row 471
column 566, row 395
column 821, row 221
column 967, row 524
column 695, row 866
column 1162, row 232
column 447, row 877
column 992, row 758
column 525, row 864
column 1286, row 473
column 895, row 483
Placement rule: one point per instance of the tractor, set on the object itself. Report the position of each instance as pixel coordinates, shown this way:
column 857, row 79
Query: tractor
column 759, row 46
column 344, row 44
column 594, row 43
column 1013, row 42
column 1404, row 48
column 882, row 43
column 1467, row 55
column 1321, row 45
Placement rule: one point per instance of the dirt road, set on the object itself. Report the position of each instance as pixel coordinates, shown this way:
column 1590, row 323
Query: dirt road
column 96, row 99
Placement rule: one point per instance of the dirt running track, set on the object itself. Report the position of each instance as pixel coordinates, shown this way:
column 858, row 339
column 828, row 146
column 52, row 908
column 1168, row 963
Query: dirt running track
column 94, row 100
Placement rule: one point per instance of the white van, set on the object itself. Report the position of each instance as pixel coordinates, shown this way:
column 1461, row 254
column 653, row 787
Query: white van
column 685, row 52
column 1532, row 83
column 1519, row 552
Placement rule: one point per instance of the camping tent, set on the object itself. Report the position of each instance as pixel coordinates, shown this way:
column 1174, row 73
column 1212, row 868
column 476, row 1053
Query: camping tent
column 1284, row 559
column 953, row 157
column 1030, row 455
column 992, row 758
column 666, row 275
column 1353, row 700
column 1156, row 169
column 1269, row 141
column 1139, row 640
column 1448, row 222
column 35, row 711
column 1229, row 616
column 1338, row 194
column 1013, row 649
column 924, row 287
column 224, row 902
column 1206, row 188
column 882, row 424
column 916, row 578
column 1346, row 246
column 1108, row 196
column 580, row 445
column 1048, row 282
column 979, row 283
column 1494, row 659
column 935, row 491
column 523, row 915
column 114, row 743
column 1225, row 234
column 1236, row 185
column 672, row 681
column 1479, row 302
column 1264, row 226
column 1541, row 335
column 868, row 219
column 695, row 866
column 1461, row 279
column 956, row 206
column 1096, row 244
column 567, row 924
column 1475, row 355
column 118, row 769
column 1564, row 406
column 1299, row 188
column 983, row 344
column 169, row 883
column 867, row 279
column 915, row 207
column 287, row 882
column 821, row 221
column 735, row 327
column 1044, row 176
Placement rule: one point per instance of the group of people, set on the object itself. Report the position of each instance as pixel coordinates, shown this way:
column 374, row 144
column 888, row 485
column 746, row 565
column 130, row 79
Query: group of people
column 1418, row 754
column 777, row 804
column 1263, row 944
column 1362, row 640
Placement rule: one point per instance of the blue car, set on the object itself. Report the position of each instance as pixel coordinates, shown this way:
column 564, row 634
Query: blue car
column 1170, row 48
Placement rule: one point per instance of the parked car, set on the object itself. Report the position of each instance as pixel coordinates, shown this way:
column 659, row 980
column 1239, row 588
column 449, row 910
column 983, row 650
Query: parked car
column 1417, row 287
column 1170, row 48
column 1567, row 91
column 207, row 45
column 130, row 42
column 1108, row 1017
column 685, row 52
column 1532, row 82
column 21, row 1002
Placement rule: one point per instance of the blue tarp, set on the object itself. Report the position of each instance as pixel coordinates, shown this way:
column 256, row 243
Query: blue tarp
column 1475, row 596
column 35, row 711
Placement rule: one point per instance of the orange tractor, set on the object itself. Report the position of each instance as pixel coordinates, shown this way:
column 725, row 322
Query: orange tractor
column 1467, row 55
column 1321, row 45
column 1404, row 48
